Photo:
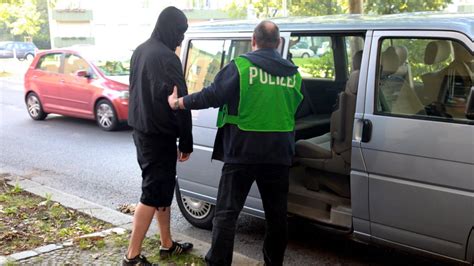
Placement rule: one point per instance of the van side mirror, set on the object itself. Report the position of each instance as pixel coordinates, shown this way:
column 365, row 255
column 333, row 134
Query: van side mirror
column 469, row 112
column 83, row 74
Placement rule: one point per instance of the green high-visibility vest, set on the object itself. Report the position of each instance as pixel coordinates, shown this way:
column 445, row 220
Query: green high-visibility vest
column 267, row 103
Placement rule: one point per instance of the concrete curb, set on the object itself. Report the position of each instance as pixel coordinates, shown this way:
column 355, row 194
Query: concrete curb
column 111, row 216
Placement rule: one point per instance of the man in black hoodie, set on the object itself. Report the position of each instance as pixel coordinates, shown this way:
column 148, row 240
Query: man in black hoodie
column 155, row 70
column 258, row 94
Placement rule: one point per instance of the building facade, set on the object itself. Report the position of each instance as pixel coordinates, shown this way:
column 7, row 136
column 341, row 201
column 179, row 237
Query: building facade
column 119, row 23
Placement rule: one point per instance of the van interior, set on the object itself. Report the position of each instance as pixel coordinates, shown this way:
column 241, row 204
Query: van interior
column 320, row 176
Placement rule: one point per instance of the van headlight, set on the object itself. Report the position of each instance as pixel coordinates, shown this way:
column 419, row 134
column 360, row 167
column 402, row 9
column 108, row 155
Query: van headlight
column 124, row 95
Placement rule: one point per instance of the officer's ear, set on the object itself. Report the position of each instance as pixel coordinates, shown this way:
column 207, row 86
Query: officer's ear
column 254, row 43
column 279, row 42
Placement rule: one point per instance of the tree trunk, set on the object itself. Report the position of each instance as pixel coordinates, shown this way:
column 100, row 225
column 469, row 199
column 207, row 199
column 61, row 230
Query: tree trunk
column 355, row 7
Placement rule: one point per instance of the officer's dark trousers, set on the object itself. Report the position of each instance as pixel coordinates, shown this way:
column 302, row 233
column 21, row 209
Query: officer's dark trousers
column 235, row 183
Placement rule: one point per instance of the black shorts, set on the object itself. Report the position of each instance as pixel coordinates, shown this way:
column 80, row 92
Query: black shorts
column 156, row 156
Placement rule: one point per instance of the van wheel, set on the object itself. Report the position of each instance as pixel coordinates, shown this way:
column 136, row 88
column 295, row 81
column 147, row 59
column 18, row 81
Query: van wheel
column 305, row 55
column 197, row 212
column 35, row 108
column 106, row 116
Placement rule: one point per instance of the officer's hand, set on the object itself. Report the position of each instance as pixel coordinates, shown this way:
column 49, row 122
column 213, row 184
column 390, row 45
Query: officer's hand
column 172, row 99
column 182, row 156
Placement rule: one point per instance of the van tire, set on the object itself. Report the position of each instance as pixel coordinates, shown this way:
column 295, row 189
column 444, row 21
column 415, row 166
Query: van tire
column 201, row 216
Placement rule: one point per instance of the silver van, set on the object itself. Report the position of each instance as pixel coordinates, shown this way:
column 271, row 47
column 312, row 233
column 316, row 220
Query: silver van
column 387, row 154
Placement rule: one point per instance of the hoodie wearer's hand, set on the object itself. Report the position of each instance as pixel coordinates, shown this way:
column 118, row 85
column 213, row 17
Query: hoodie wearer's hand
column 182, row 156
column 173, row 99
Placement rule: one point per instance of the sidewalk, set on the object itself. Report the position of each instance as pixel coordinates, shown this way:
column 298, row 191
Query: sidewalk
column 66, row 253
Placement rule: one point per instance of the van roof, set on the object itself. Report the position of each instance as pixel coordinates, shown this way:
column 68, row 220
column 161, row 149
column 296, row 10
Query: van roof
column 461, row 22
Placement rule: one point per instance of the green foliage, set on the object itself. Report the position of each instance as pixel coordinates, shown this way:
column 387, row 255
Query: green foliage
column 21, row 17
column 401, row 6
column 11, row 210
column 268, row 8
column 237, row 9
column 317, row 67
column 4, row 197
column 318, row 8
column 25, row 18
column 16, row 189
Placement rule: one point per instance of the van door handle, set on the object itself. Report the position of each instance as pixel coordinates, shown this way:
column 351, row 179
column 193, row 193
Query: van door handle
column 366, row 130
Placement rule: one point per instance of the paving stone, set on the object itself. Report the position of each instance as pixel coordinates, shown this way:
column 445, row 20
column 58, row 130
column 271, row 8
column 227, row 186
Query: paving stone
column 47, row 248
column 23, row 255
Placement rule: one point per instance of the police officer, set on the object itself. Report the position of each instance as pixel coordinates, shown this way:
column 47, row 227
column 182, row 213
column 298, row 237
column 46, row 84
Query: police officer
column 258, row 94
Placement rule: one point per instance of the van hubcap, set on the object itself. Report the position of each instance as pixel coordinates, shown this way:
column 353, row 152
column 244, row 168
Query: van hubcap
column 196, row 208
column 105, row 115
column 33, row 106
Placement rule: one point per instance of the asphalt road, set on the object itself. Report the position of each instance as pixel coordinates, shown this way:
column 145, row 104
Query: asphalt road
column 75, row 156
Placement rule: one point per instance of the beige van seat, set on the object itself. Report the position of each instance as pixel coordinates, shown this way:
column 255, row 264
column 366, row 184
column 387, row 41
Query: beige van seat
column 460, row 69
column 404, row 70
column 332, row 152
column 435, row 52
column 396, row 94
column 390, row 84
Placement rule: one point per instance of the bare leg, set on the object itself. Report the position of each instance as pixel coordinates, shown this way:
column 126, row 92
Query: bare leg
column 163, row 217
column 141, row 221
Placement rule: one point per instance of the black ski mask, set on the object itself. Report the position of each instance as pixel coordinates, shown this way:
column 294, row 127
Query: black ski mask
column 170, row 27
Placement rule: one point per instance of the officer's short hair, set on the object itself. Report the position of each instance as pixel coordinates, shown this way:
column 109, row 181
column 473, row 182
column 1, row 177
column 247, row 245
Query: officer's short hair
column 267, row 35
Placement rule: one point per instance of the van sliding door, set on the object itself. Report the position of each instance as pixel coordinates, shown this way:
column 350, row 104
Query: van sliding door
column 419, row 145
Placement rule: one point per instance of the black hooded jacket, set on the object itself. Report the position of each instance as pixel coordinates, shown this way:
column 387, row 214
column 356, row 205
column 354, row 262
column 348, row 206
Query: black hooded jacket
column 155, row 70
column 233, row 145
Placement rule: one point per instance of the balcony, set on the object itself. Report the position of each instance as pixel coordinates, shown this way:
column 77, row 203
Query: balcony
column 72, row 15
column 69, row 41
column 205, row 14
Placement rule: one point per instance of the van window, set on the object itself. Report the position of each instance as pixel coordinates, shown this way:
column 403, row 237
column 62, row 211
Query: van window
column 314, row 56
column 235, row 48
column 424, row 78
column 203, row 63
column 353, row 45
column 205, row 60
column 50, row 63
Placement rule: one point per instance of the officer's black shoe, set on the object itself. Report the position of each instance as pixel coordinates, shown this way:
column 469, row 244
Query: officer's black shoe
column 175, row 249
column 139, row 260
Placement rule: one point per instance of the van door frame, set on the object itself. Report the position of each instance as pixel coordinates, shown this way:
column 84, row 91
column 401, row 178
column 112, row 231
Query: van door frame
column 359, row 176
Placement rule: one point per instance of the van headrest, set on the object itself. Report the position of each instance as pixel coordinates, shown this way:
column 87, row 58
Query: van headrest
column 357, row 60
column 436, row 52
column 390, row 61
column 461, row 54
column 402, row 53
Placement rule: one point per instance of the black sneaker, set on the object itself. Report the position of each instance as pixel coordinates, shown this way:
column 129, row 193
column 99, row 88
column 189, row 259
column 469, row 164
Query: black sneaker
column 138, row 260
column 175, row 249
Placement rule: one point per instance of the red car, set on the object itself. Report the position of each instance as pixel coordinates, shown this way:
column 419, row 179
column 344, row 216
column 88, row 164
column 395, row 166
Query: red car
column 70, row 83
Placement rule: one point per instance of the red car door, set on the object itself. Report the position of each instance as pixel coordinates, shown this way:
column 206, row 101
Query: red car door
column 46, row 78
column 78, row 91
